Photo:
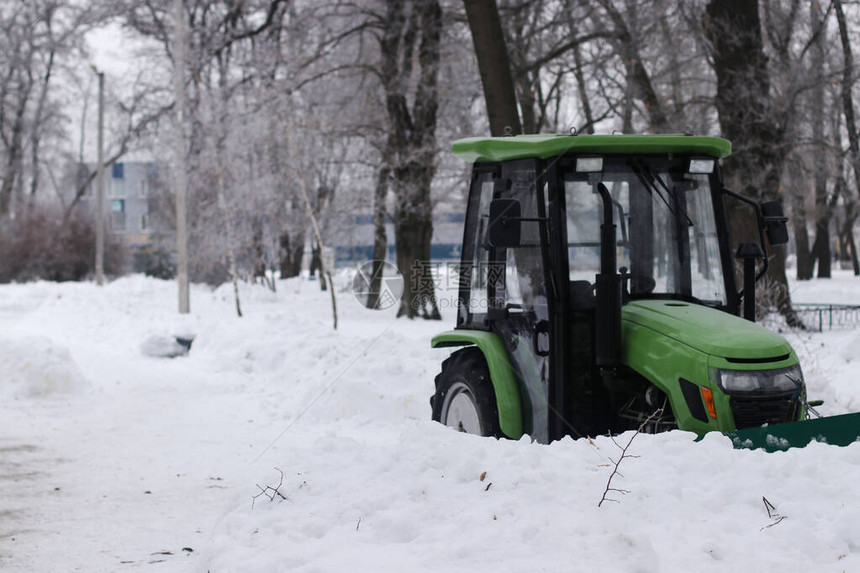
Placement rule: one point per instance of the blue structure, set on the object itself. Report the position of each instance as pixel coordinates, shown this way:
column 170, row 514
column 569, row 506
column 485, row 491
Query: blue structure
column 353, row 241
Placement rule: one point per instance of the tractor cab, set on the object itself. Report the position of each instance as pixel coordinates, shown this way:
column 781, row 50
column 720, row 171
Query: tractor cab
column 598, row 293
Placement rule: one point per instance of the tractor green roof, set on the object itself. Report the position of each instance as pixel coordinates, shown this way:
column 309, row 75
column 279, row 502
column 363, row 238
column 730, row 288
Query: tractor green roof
column 491, row 149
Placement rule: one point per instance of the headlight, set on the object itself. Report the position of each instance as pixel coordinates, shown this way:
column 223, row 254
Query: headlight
column 768, row 381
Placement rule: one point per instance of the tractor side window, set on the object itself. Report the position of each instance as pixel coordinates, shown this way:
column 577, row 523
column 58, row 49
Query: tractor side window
column 664, row 239
column 513, row 292
column 524, row 272
column 705, row 246
column 525, row 327
column 583, row 230
column 476, row 267
column 513, row 295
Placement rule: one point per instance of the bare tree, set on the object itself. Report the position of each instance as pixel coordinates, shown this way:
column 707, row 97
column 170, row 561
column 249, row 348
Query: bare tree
column 141, row 115
column 851, row 209
column 748, row 118
column 34, row 38
column 411, row 35
column 221, row 72
column 638, row 79
column 494, row 67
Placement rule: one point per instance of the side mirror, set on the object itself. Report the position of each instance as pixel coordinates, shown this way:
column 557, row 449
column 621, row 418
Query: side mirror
column 775, row 222
column 505, row 219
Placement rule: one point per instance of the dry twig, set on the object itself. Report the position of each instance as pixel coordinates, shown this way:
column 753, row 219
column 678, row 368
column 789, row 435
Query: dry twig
column 656, row 414
column 269, row 491
column 771, row 513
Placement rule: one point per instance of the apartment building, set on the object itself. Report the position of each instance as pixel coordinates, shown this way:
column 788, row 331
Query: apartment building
column 128, row 190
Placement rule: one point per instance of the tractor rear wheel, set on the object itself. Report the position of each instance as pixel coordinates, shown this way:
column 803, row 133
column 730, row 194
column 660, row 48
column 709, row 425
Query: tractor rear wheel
column 465, row 399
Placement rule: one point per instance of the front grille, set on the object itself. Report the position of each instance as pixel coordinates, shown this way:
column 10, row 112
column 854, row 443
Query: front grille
column 752, row 412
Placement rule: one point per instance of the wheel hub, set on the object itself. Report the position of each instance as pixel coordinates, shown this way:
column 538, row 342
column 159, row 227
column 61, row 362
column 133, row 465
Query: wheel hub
column 461, row 412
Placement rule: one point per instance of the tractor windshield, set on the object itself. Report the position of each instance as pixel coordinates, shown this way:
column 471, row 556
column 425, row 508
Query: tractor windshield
column 666, row 232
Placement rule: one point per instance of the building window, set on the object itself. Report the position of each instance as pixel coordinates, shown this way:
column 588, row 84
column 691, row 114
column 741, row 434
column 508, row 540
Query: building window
column 117, row 215
column 143, row 188
column 117, row 188
column 118, row 170
column 144, row 222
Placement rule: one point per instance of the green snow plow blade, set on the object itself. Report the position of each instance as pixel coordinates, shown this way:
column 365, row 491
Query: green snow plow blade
column 834, row 430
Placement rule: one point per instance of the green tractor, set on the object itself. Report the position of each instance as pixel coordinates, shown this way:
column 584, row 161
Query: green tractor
column 598, row 294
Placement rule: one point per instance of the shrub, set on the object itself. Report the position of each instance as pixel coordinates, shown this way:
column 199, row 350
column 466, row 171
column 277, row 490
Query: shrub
column 155, row 262
column 40, row 245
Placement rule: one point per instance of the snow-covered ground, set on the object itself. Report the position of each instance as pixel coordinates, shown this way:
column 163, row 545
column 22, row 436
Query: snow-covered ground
column 114, row 460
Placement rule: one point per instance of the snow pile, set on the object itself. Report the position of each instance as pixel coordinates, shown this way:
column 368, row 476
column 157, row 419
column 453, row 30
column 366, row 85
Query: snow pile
column 429, row 499
column 369, row 482
column 159, row 346
column 36, row 366
column 16, row 301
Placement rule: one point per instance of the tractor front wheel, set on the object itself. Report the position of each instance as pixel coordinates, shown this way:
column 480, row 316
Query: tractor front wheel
column 465, row 399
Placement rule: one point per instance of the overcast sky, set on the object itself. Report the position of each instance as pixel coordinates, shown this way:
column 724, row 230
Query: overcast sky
column 112, row 52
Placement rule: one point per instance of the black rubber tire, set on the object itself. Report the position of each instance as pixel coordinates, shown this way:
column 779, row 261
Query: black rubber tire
column 465, row 373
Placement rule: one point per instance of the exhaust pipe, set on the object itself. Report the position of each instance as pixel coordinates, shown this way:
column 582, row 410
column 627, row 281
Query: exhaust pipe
column 608, row 312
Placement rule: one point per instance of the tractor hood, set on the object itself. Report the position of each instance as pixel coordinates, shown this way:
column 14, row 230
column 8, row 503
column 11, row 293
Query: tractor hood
column 706, row 329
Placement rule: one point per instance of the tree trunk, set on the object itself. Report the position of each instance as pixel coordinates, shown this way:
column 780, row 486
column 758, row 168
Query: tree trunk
column 639, row 80
column 805, row 262
column 316, row 262
column 678, row 116
column 325, row 273
column 413, row 231
column 411, row 143
column 821, row 256
column 747, row 117
column 380, row 238
column 35, row 136
column 820, row 253
column 805, row 258
column 582, row 90
column 528, row 100
column 821, row 247
column 12, row 174
column 289, row 257
column 494, row 67
column 851, row 209
column 849, row 250
column 258, row 252
column 227, row 223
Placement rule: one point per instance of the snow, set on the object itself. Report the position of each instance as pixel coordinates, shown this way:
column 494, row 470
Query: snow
column 112, row 459
column 34, row 365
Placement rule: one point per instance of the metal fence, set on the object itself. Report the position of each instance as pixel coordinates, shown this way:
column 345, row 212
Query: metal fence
column 823, row 317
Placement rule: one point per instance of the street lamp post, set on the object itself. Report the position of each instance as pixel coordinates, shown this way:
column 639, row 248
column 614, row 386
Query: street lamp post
column 100, row 185
column 180, row 177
